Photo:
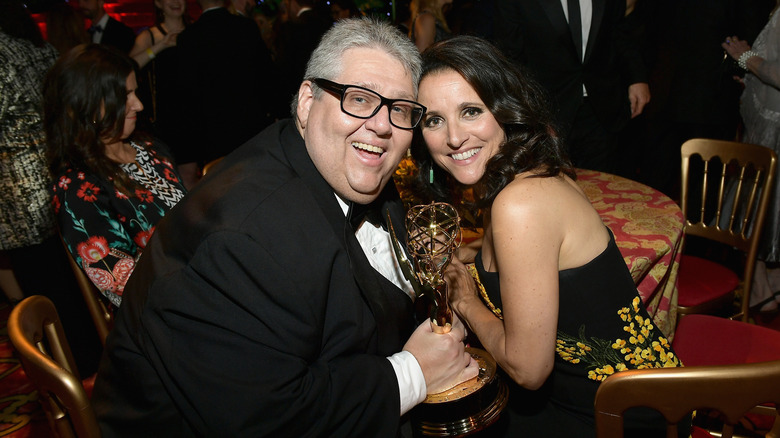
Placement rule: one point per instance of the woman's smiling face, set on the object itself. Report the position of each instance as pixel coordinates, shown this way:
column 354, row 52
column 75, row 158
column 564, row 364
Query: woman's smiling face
column 460, row 132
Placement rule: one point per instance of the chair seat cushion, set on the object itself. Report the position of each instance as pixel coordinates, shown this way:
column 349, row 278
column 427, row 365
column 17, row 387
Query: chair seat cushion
column 698, row 432
column 711, row 340
column 700, row 280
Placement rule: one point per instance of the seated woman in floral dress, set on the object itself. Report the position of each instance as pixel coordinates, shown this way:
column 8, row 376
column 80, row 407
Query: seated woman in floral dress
column 110, row 189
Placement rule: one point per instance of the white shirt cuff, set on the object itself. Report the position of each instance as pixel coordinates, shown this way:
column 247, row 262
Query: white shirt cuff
column 411, row 381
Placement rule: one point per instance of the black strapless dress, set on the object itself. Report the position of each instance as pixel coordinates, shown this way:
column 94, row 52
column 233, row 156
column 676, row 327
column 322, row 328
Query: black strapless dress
column 603, row 328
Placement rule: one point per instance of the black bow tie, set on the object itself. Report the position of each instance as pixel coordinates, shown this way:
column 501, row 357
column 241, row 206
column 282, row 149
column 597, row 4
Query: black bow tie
column 358, row 212
column 93, row 29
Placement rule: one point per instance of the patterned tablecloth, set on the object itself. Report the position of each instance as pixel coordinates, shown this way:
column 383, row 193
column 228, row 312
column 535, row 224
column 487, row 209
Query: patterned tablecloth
column 648, row 230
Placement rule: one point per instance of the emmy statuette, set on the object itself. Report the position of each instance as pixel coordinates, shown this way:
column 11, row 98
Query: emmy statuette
column 433, row 236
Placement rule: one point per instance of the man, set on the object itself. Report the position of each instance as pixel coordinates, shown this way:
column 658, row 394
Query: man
column 226, row 90
column 105, row 29
column 242, row 7
column 298, row 36
column 255, row 310
column 591, row 65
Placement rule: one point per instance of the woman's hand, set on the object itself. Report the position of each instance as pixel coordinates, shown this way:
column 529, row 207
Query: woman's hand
column 169, row 40
column 467, row 252
column 735, row 47
column 461, row 289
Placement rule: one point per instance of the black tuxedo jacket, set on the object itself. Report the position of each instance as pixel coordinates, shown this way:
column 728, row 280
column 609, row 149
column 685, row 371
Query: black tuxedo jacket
column 226, row 86
column 251, row 313
column 119, row 35
column 535, row 33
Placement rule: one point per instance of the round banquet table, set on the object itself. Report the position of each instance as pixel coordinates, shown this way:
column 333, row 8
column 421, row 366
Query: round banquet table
column 648, row 230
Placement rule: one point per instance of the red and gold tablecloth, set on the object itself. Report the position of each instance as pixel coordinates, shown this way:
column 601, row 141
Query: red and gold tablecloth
column 648, row 230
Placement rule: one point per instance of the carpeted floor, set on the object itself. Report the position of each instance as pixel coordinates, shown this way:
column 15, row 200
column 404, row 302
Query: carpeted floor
column 20, row 413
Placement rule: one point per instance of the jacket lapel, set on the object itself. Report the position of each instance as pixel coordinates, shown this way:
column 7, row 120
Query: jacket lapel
column 376, row 293
column 554, row 12
column 595, row 26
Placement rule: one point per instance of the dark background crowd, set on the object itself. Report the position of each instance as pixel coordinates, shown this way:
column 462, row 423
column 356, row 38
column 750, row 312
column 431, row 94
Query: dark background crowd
column 232, row 84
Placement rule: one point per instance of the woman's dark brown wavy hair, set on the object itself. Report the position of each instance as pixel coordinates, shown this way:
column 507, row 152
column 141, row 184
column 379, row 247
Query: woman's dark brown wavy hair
column 516, row 101
column 84, row 98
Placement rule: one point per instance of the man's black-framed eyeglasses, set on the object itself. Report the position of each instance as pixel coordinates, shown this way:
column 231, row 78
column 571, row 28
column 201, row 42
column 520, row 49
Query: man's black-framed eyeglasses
column 363, row 103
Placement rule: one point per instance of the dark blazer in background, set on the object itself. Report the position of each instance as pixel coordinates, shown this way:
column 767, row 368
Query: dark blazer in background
column 226, row 86
column 535, row 33
column 297, row 40
column 119, row 35
column 254, row 312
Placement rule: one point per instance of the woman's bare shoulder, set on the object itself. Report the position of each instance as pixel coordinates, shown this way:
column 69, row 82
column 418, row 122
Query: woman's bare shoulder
column 555, row 207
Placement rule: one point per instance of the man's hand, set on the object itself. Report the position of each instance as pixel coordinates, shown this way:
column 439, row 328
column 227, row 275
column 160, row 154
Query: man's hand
column 442, row 358
column 639, row 96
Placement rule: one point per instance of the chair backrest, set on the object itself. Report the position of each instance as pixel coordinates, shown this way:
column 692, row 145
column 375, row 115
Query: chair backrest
column 102, row 317
column 731, row 198
column 36, row 333
column 731, row 390
column 207, row 167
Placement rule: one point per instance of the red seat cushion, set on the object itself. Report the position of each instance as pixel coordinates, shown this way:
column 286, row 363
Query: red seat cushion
column 700, row 280
column 710, row 340
column 89, row 384
column 698, row 432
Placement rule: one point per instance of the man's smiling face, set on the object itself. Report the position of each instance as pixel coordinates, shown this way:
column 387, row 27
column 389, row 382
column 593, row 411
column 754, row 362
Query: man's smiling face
column 357, row 157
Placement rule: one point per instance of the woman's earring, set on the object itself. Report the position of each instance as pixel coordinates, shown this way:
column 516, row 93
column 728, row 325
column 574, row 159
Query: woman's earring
column 430, row 175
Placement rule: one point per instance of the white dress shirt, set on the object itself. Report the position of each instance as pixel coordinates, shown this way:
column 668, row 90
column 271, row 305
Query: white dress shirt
column 98, row 36
column 586, row 16
column 377, row 246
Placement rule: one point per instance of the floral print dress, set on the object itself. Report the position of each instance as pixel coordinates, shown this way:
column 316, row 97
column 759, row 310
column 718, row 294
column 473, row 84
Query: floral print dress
column 106, row 230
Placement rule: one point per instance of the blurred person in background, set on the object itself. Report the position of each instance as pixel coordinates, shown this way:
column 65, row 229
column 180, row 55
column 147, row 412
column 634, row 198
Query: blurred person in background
column 297, row 38
column 226, row 88
column 428, row 23
column 157, row 56
column 65, row 27
column 28, row 233
column 104, row 29
column 760, row 110
column 340, row 9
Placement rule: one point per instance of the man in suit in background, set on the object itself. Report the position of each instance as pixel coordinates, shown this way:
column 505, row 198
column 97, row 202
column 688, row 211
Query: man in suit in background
column 583, row 52
column 298, row 37
column 226, row 93
column 104, row 29
column 265, row 305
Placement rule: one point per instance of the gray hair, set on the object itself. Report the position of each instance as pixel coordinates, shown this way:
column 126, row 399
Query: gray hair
column 362, row 32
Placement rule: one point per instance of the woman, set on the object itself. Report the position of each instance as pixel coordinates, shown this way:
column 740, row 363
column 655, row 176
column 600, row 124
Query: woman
column 156, row 54
column 760, row 110
column 110, row 190
column 26, row 218
column 428, row 23
column 562, row 310
column 28, row 231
